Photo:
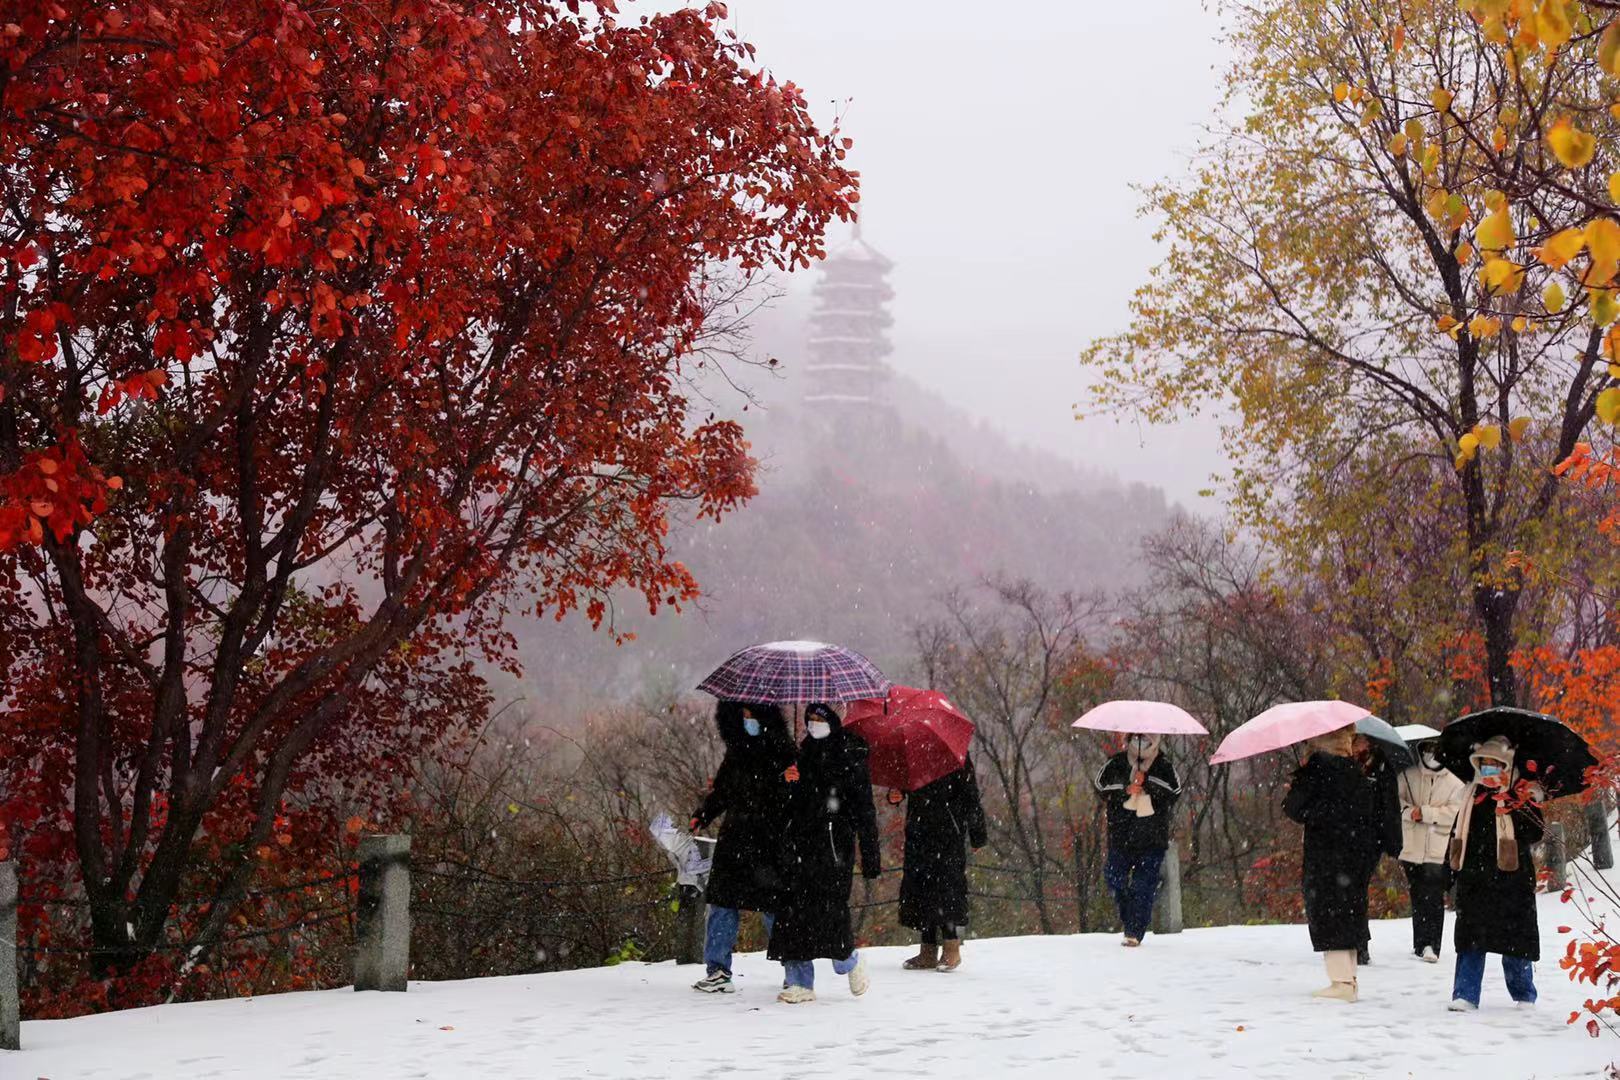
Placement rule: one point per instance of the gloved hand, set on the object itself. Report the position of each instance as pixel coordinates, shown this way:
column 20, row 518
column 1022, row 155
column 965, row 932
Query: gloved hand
column 695, row 824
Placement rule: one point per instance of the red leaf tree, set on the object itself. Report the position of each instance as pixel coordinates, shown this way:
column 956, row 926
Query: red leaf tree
column 329, row 333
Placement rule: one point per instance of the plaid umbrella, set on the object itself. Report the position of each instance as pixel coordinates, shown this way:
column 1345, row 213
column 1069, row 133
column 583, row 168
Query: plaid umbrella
column 796, row 672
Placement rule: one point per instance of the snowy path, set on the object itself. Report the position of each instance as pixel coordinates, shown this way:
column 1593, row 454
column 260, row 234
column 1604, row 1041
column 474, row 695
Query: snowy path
column 1228, row 1002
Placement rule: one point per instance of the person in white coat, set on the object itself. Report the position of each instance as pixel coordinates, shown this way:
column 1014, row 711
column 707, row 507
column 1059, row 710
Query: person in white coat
column 1431, row 798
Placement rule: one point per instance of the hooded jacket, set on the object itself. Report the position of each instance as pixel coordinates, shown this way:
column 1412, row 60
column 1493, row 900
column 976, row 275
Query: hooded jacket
column 750, row 793
column 943, row 819
column 1437, row 796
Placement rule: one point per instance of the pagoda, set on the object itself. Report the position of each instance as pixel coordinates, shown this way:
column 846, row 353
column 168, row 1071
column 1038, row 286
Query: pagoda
column 848, row 324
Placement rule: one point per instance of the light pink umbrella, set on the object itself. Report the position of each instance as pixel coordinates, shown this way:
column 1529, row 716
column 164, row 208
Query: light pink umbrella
column 1285, row 725
column 1140, row 718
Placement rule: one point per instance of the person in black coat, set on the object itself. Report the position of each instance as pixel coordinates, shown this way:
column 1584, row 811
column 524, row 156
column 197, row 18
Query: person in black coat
column 942, row 820
column 1496, row 879
column 830, row 815
column 750, row 792
column 1386, row 811
column 1139, row 787
column 1333, row 798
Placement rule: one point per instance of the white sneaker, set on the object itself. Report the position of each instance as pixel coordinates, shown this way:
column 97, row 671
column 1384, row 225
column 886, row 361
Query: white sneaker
column 1524, row 1004
column 1462, row 1005
column 859, row 982
column 1429, row 955
column 796, row 995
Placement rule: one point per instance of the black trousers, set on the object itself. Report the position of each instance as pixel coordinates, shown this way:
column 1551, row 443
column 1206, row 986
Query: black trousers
column 1428, row 883
column 936, row 934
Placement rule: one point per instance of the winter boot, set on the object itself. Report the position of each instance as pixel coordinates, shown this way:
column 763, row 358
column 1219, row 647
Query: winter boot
column 1462, row 1005
column 718, row 983
column 951, row 956
column 1130, row 942
column 796, row 995
column 859, row 981
column 1339, row 991
column 1429, row 955
column 927, row 959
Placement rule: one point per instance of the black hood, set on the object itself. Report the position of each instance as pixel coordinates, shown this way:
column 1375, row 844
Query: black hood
column 773, row 740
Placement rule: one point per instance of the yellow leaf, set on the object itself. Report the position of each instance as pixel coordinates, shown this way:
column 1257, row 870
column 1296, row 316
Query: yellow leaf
column 1499, row 139
column 1603, row 305
column 1561, row 247
column 1431, row 160
column 1341, row 92
column 1608, row 405
column 1400, row 37
column 1441, row 99
column 1552, row 23
column 1614, row 187
column 1495, row 31
column 1495, row 200
column 1465, row 252
column 1397, row 145
column 512, row 808
column 1520, row 323
column 1517, row 428
column 1490, row 435
column 1445, row 324
column 1495, row 233
column 1437, row 203
column 1468, row 444
column 1603, row 245
column 1609, row 49
column 1413, row 129
column 1571, row 146
column 1484, row 326
column 1501, row 276
column 1459, row 461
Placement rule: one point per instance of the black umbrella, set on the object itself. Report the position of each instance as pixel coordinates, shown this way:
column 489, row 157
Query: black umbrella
column 1388, row 741
column 1544, row 749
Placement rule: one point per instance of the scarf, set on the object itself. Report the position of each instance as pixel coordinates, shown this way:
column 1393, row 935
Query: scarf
column 1507, row 844
column 1140, row 763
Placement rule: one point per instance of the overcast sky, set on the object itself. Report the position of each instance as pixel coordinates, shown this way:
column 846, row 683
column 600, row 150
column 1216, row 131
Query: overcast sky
column 997, row 145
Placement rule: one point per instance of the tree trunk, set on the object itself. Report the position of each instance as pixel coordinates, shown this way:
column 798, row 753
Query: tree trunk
column 1496, row 608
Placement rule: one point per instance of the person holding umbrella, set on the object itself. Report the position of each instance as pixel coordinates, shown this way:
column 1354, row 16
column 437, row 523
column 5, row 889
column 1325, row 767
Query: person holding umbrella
column 830, row 814
column 919, row 742
column 750, row 791
column 1431, row 798
column 1514, row 761
column 1139, row 787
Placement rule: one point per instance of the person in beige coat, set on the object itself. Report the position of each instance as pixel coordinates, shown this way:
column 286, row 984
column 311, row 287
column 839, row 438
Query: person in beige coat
column 1431, row 798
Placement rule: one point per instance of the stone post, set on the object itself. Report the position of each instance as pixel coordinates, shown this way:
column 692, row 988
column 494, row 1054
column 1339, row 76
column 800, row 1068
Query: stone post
column 10, row 1000
column 1167, row 908
column 1597, row 826
column 1554, row 855
column 690, row 923
column 382, row 944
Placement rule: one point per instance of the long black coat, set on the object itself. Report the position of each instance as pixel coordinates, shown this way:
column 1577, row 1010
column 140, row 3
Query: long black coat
column 1336, row 802
column 942, row 819
column 831, row 811
column 751, row 793
column 1127, row 831
column 1496, row 909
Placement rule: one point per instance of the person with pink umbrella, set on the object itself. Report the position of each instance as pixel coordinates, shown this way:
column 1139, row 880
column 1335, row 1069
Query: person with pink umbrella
column 1139, row 787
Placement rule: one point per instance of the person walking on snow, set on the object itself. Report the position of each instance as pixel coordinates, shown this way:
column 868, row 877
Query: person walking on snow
column 1496, row 881
column 1431, row 798
column 943, row 819
column 1386, row 812
column 750, row 792
column 1334, row 800
column 1139, row 787
column 829, row 814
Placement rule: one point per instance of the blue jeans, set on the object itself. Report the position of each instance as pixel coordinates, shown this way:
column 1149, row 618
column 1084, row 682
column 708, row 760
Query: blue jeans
column 803, row 972
column 720, row 936
column 1133, row 878
column 1519, row 973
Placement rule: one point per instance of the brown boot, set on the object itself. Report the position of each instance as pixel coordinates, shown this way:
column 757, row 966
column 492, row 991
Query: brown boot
column 952, row 956
column 927, row 959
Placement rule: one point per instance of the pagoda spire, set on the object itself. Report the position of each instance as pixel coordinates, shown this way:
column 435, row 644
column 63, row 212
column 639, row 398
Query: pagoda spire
column 848, row 328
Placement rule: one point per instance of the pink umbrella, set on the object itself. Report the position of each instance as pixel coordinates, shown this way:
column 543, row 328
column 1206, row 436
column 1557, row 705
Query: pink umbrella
column 1140, row 718
column 1285, row 725
column 916, row 736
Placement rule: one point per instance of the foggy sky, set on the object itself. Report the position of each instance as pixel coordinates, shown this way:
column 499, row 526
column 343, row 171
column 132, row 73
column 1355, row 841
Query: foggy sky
column 997, row 145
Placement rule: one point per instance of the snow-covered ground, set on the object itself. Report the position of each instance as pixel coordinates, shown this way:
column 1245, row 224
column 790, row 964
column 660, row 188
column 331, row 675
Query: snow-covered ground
column 1230, row 1002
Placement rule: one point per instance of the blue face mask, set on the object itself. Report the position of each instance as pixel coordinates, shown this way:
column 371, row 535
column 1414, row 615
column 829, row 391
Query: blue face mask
column 1488, row 771
column 751, row 725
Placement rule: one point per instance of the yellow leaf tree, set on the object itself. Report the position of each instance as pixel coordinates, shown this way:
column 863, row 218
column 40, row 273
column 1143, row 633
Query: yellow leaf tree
column 1355, row 279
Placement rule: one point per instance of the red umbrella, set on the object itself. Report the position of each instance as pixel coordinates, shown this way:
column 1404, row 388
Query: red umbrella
column 916, row 736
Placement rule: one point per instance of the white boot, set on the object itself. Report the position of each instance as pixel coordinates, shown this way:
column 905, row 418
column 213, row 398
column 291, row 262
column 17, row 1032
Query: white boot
column 859, row 983
column 1462, row 1005
column 1429, row 955
column 796, row 995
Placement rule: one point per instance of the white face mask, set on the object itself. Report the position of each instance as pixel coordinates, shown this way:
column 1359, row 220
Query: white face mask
column 819, row 729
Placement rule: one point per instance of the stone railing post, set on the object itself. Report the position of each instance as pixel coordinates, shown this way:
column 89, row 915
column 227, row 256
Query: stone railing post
column 1597, row 826
column 1167, row 908
column 1554, row 856
column 382, row 944
column 10, row 998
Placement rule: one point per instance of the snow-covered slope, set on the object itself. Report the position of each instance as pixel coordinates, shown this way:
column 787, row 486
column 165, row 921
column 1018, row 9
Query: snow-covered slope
column 1230, row 1002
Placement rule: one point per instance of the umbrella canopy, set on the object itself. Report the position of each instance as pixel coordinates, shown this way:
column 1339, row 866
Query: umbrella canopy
column 796, row 673
column 1417, row 732
column 1140, row 718
column 1284, row 725
column 916, row 736
column 1387, row 741
column 1544, row 749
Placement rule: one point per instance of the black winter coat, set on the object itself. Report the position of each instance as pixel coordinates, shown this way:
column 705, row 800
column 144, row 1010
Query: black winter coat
column 1127, row 831
column 942, row 820
column 751, row 793
column 1496, row 909
column 1335, row 801
column 1386, row 811
column 831, row 811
